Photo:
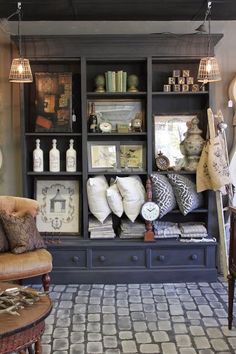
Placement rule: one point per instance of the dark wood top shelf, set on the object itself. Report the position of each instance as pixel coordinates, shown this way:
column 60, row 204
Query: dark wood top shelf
column 117, row 94
column 118, row 134
column 53, row 134
column 200, row 210
column 162, row 93
column 118, row 173
column 48, row 173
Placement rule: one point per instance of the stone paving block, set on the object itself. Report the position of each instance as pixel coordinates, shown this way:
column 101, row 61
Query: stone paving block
column 183, row 340
column 201, row 342
column 109, row 329
column 197, row 330
column 94, row 348
column 78, row 327
column 219, row 344
column 137, row 316
column 129, row 346
column 110, row 341
column 94, row 317
column 124, row 323
column 205, row 310
column 187, row 351
column 112, row 351
column 81, row 299
column 46, row 349
column 148, row 300
column 125, row 335
column 94, row 308
column 136, row 307
column 60, row 344
column 164, row 325
column 214, row 333
column 152, row 326
column 180, row 328
column 77, row 337
column 121, row 311
column 149, row 348
column 168, row 348
column 109, row 318
column 95, row 300
column 143, row 337
column 140, row 326
column 176, row 310
column 93, row 327
column 60, row 332
column 232, row 342
column 94, row 337
column 78, row 318
column 210, row 322
column 160, row 336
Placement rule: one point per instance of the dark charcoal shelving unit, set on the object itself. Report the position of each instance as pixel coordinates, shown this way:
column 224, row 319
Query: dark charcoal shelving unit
column 77, row 258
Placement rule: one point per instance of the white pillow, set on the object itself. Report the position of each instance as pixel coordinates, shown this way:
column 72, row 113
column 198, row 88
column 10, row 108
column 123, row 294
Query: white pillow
column 97, row 201
column 114, row 200
column 133, row 193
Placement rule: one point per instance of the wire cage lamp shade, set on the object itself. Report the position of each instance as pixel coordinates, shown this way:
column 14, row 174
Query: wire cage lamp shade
column 208, row 70
column 20, row 71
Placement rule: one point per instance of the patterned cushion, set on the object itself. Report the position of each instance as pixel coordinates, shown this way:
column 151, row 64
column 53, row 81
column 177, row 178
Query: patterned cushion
column 185, row 192
column 4, row 246
column 21, row 232
column 163, row 194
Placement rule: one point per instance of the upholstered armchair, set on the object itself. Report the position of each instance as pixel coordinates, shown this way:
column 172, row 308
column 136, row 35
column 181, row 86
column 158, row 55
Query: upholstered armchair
column 22, row 262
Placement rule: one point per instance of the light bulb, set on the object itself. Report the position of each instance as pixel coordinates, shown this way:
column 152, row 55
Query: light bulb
column 208, row 66
column 20, row 68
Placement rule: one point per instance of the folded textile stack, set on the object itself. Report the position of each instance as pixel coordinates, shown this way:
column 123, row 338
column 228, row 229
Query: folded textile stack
column 129, row 229
column 99, row 230
column 165, row 229
column 193, row 230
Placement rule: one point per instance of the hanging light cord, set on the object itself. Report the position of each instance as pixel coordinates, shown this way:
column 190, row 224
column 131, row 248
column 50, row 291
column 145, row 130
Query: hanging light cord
column 19, row 27
column 208, row 15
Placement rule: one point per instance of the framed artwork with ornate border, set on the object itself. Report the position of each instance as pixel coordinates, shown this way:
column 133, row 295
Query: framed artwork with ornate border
column 58, row 206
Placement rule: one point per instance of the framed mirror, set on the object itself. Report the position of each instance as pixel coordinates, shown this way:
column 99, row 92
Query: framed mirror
column 169, row 131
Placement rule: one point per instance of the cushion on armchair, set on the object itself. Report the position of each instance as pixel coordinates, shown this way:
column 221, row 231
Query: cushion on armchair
column 18, row 206
column 4, row 245
column 21, row 232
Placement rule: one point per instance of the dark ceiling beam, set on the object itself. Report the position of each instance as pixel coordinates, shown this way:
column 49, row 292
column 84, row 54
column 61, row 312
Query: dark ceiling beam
column 119, row 10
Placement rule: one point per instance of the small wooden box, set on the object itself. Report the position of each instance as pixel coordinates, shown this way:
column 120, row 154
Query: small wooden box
column 181, row 80
column 176, row 73
column 122, row 128
column 195, row 87
column 185, row 88
column 189, row 80
column 167, row 88
column 171, row 80
column 186, row 73
column 176, row 88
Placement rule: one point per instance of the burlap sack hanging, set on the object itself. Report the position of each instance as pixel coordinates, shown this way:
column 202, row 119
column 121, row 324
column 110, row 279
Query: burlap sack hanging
column 213, row 169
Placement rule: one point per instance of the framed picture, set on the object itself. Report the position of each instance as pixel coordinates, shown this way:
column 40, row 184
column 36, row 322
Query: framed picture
column 132, row 156
column 103, row 156
column 53, row 102
column 58, row 206
column 118, row 111
column 169, row 131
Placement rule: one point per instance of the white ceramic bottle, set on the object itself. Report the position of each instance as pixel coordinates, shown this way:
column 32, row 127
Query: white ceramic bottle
column 54, row 157
column 71, row 158
column 38, row 158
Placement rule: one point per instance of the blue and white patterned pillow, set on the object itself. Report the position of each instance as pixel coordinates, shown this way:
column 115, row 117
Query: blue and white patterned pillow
column 163, row 194
column 185, row 192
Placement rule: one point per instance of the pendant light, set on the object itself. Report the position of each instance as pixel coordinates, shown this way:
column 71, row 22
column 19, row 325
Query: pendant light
column 20, row 68
column 208, row 70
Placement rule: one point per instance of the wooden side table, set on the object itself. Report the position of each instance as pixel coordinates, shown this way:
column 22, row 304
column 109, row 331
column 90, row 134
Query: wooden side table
column 20, row 332
column 232, row 266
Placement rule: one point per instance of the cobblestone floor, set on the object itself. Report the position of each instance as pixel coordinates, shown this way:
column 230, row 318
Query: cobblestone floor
column 181, row 318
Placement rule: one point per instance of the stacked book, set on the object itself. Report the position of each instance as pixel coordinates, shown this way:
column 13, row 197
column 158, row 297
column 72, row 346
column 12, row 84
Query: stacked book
column 165, row 229
column 116, row 81
column 193, row 230
column 99, row 230
column 129, row 229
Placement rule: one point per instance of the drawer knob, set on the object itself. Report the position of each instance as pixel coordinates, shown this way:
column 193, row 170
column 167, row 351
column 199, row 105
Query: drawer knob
column 161, row 258
column 102, row 258
column 134, row 258
column 75, row 259
column 193, row 257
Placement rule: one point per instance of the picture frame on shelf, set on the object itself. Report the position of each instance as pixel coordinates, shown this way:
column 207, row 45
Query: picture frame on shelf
column 118, row 112
column 59, row 201
column 169, row 132
column 103, row 156
column 133, row 156
column 53, row 103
